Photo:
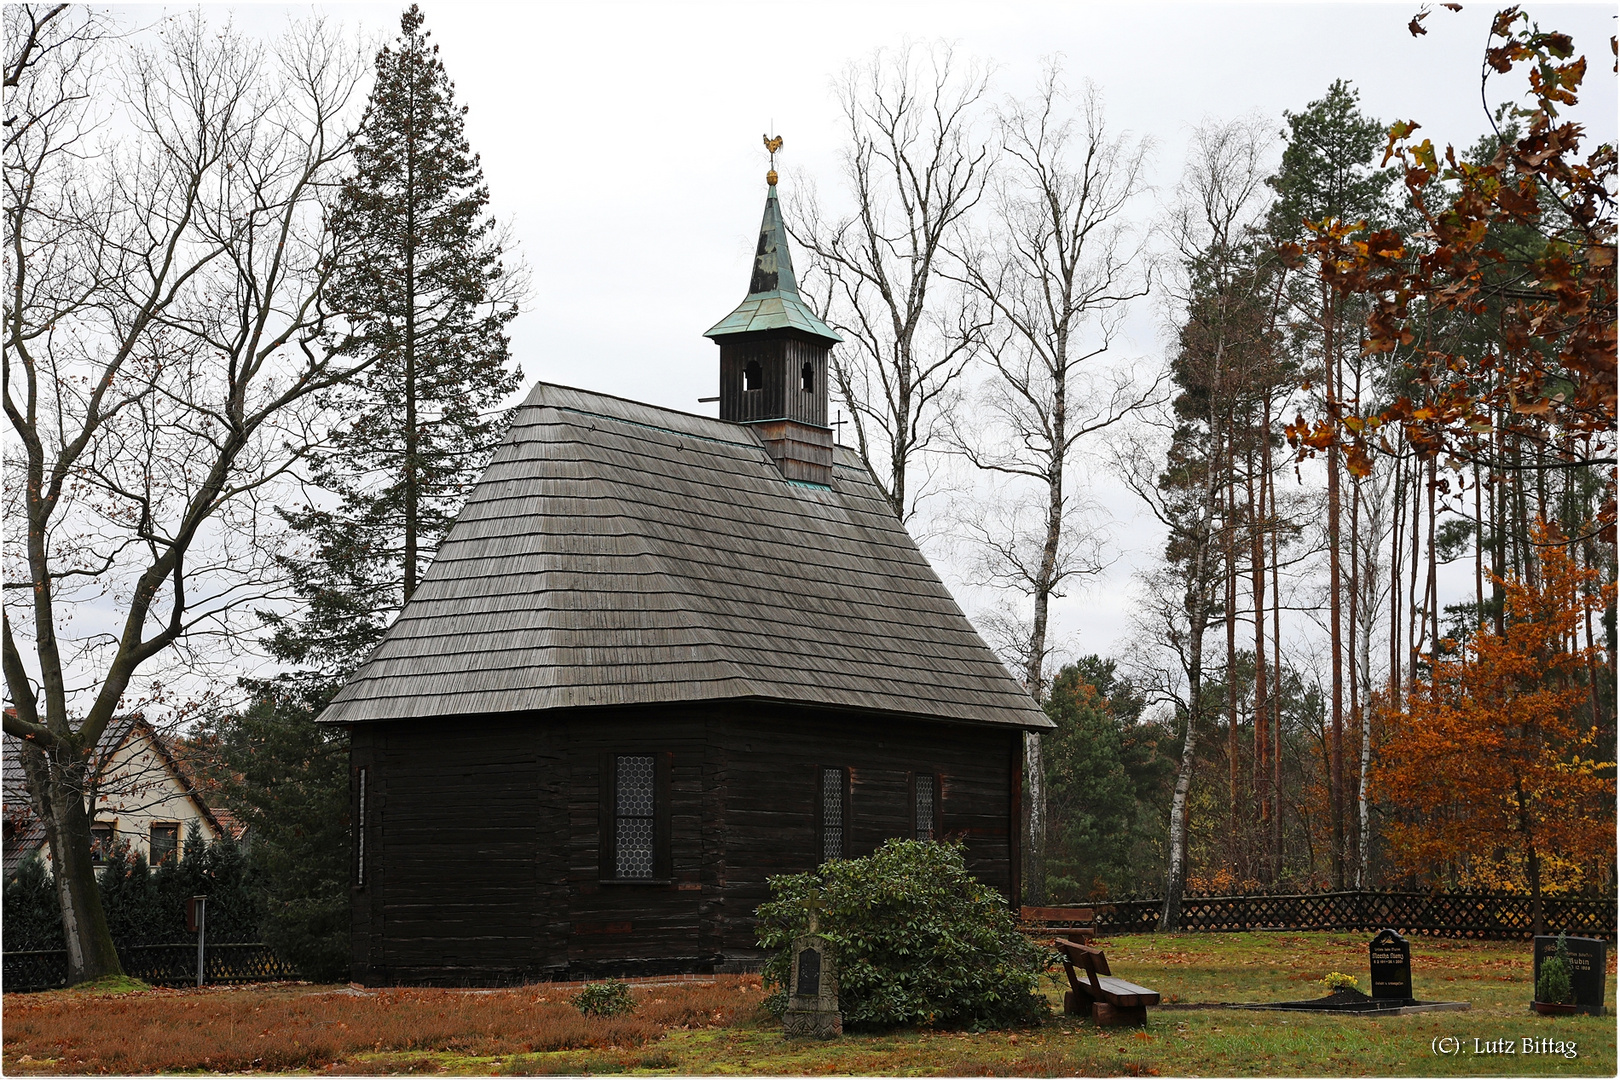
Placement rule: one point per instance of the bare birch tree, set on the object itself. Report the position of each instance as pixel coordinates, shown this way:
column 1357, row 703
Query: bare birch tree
column 165, row 250
column 1055, row 269
column 915, row 166
column 1220, row 312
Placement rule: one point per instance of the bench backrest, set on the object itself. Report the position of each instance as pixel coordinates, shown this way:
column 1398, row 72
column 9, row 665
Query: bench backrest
column 1057, row 914
column 1085, row 957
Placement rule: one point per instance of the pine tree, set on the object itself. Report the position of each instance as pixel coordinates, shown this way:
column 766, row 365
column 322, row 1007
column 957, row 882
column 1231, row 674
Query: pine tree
column 425, row 295
column 425, row 298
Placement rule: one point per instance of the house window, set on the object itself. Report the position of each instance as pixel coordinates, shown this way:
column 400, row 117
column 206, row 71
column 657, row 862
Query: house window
column 924, row 806
column 360, row 828
column 753, row 376
column 635, row 817
column 101, row 842
column 834, row 812
column 164, row 844
column 807, row 378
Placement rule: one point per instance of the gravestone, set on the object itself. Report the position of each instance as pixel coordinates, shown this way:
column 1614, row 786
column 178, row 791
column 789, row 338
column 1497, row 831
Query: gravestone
column 812, row 1010
column 1391, row 960
column 1588, row 962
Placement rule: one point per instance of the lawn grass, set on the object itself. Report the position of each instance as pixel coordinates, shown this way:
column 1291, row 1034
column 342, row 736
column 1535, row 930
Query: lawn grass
column 719, row 1028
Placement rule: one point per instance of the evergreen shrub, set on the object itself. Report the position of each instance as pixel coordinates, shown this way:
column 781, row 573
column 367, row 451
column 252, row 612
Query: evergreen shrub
column 144, row 906
column 919, row 940
column 1556, row 985
column 604, row 999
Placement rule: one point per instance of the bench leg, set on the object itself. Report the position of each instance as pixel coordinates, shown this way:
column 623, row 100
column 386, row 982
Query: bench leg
column 1106, row 1015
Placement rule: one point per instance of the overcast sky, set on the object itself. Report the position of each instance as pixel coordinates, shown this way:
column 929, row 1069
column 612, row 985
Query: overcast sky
column 622, row 142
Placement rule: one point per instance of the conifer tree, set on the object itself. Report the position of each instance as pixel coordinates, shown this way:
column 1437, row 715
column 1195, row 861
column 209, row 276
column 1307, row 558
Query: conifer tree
column 421, row 287
column 426, row 298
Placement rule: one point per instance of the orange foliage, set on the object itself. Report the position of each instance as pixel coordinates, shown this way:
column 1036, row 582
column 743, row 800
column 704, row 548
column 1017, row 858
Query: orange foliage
column 1550, row 374
column 1495, row 768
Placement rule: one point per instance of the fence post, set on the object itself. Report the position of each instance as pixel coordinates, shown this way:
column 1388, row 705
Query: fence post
column 197, row 919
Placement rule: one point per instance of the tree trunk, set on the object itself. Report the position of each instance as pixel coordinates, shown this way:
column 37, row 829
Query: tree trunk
column 1276, row 655
column 1197, row 609
column 1335, row 605
column 1233, row 745
column 1398, row 504
column 1035, row 857
column 1035, row 673
column 1176, row 877
column 58, row 780
column 1431, row 594
column 1257, row 586
column 1353, row 599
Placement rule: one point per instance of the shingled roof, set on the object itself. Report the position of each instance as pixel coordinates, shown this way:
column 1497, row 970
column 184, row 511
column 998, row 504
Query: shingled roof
column 616, row 553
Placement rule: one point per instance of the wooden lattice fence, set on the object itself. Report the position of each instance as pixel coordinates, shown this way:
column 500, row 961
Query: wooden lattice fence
column 1483, row 916
column 160, row 965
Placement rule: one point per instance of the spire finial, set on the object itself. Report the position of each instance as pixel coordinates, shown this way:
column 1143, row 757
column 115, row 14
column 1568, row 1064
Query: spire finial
column 773, row 144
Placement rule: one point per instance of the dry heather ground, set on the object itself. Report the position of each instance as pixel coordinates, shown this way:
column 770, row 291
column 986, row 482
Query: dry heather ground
column 280, row 1028
column 719, row 1027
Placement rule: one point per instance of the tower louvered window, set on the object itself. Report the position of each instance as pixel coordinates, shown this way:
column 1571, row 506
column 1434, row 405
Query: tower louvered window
column 635, row 796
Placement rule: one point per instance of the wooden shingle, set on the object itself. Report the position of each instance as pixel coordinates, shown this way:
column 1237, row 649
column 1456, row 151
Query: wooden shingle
column 616, row 553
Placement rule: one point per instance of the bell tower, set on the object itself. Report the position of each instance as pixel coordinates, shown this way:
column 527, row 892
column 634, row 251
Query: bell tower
column 773, row 357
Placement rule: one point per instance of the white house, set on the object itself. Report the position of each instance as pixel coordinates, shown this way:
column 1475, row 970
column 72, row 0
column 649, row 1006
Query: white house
column 143, row 797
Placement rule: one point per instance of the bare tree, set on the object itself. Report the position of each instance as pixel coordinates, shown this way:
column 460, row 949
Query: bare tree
column 915, row 169
column 1221, row 314
column 1054, row 271
column 166, row 251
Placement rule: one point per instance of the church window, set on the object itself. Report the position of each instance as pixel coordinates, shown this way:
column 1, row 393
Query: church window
column 360, row 828
column 807, row 377
column 834, row 812
column 924, row 806
column 753, row 376
column 635, row 817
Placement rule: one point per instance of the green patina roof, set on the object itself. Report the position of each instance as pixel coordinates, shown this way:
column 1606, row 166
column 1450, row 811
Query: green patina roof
column 773, row 292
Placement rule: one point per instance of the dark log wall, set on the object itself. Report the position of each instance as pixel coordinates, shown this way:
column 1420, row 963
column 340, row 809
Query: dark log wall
column 483, row 834
column 465, row 869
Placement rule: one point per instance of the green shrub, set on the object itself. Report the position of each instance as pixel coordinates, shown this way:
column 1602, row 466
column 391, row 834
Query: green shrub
column 1555, row 985
column 604, row 999
column 919, row 940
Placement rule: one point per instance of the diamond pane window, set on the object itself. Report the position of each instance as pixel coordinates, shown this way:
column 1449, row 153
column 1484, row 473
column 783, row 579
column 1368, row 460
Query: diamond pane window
column 832, row 814
column 923, row 793
column 633, row 816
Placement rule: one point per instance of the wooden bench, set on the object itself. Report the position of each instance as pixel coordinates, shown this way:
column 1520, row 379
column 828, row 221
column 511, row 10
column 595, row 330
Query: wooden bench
column 1110, row 1002
column 1075, row 923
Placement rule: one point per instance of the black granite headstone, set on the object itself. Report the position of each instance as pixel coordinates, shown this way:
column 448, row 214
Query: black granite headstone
column 1391, row 960
column 1588, row 961
column 809, row 973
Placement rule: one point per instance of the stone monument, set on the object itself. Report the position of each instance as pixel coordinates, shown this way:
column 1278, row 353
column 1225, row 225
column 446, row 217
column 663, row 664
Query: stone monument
column 812, row 1010
column 1391, row 960
column 1588, row 961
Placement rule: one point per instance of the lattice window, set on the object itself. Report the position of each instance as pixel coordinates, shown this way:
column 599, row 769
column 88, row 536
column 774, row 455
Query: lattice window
column 633, row 813
column 360, row 831
column 832, row 814
column 923, row 805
